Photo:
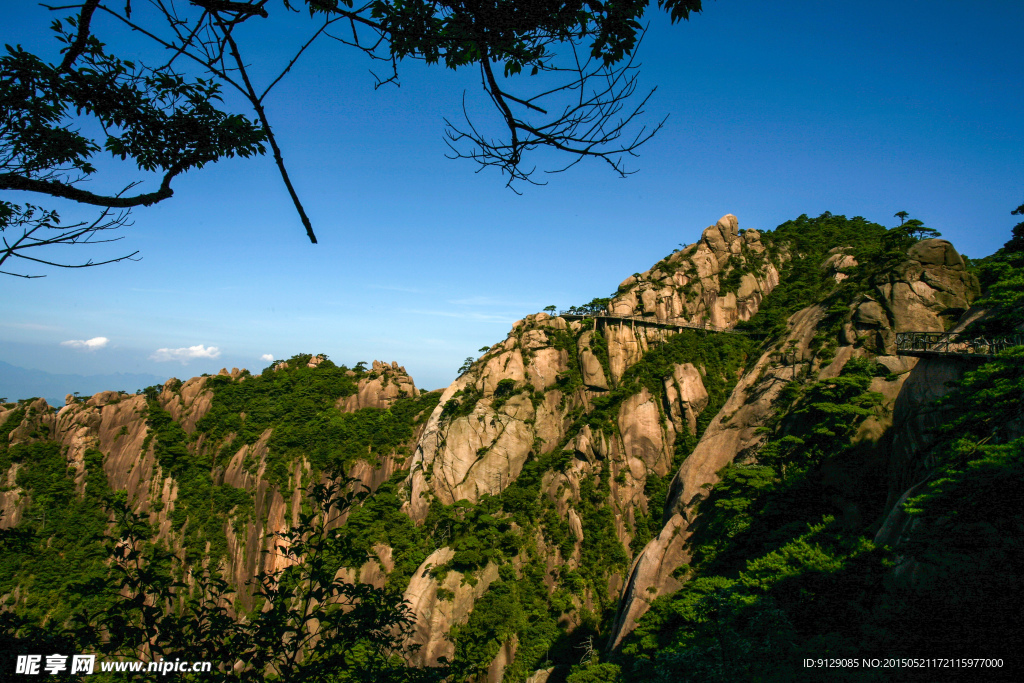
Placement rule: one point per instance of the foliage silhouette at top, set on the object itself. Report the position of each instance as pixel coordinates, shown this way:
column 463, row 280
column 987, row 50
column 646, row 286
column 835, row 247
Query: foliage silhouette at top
column 165, row 121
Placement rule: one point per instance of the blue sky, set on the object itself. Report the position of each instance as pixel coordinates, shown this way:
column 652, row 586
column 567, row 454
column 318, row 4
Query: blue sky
column 775, row 109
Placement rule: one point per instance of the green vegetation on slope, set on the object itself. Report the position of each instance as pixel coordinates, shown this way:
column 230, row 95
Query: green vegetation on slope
column 802, row 281
column 1002, row 277
column 778, row 576
column 784, row 565
column 298, row 404
column 55, row 560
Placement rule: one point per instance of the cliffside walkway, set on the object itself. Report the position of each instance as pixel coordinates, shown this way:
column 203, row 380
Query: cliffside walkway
column 924, row 344
column 678, row 325
column 907, row 343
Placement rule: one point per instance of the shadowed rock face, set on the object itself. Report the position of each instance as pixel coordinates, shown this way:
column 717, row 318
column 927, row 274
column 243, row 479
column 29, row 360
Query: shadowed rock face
column 924, row 293
column 731, row 433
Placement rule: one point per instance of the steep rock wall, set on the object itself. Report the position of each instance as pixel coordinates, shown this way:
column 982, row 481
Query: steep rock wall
column 924, row 293
column 690, row 284
column 116, row 425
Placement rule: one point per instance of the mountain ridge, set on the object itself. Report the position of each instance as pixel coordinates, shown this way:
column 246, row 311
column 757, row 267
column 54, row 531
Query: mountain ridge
column 582, row 480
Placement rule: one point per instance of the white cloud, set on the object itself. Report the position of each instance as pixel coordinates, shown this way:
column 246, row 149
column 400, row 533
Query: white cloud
column 186, row 354
column 87, row 344
column 267, row 357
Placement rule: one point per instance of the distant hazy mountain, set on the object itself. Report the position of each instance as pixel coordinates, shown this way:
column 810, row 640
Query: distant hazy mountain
column 17, row 383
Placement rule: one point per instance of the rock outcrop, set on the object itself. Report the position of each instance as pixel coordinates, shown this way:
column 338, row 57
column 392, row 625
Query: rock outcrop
column 493, row 417
column 719, row 281
column 924, row 293
column 435, row 614
column 380, row 389
column 929, row 292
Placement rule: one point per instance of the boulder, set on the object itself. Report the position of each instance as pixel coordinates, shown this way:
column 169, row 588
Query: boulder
column 103, row 398
column 871, row 314
column 936, row 252
column 593, row 373
column 729, row 225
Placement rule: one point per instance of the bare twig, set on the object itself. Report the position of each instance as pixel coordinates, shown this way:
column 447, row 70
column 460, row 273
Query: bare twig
column 80, row 233
column 298, row 54
column 257, row 104
column 593, row 124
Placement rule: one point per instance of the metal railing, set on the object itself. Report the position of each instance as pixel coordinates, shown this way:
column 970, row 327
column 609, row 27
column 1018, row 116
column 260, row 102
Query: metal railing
column 649, row 320
column 953, row 343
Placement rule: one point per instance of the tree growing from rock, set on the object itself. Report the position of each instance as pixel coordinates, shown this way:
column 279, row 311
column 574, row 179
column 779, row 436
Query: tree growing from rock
column 918, row 230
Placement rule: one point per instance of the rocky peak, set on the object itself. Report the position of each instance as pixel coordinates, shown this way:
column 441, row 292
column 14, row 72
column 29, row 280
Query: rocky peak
column 928, row 292
column 718, row 281
column 490, row 419
column 385, row 384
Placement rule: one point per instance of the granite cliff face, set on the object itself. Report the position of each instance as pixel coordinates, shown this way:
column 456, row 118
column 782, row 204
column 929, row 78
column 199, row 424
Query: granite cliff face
column 619, row 425
column 925, row 293
column 719, row 280
column 118, row 425
column 385, row 385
